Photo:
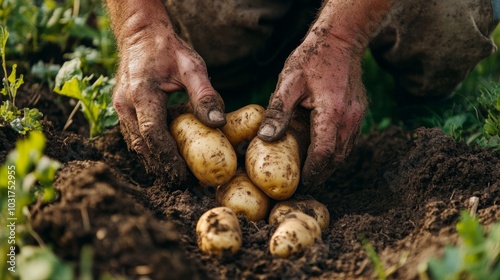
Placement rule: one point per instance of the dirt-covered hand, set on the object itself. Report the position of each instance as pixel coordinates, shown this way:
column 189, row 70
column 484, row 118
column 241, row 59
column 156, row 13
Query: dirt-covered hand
column 153, row 63
column 325, row 77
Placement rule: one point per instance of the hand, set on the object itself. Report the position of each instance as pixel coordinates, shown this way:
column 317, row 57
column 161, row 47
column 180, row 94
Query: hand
column 154, row 62
column 324, row 76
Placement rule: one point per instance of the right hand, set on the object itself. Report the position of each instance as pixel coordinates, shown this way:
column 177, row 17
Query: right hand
column 154, row 61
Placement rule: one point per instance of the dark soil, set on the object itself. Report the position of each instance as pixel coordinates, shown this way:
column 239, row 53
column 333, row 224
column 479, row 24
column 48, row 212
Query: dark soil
column 401, row 191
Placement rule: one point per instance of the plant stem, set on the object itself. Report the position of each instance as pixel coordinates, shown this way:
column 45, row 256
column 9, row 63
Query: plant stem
column 5, row 36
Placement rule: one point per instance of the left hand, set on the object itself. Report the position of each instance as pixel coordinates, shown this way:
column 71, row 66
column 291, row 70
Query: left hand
column 323, row 75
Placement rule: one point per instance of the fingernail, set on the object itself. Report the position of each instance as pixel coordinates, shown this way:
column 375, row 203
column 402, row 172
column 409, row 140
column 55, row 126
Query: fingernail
column 215, row 116
column 267, row 130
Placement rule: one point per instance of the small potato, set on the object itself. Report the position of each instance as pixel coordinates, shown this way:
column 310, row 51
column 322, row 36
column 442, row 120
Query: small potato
column 243, row 197
column 311, row 207
column 242, row 125
column 218, row 232
column 274, row 167
column 296, row 232
column 207, row 152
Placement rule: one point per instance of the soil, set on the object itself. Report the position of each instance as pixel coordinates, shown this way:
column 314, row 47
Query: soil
column 402, row 191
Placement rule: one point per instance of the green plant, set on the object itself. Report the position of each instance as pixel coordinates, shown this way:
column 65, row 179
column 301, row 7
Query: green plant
column 41, row 263
column 375, row 259
column 459, row 116
column 23, row 120
column 489, row 106
column 25, row 177
column 95, row 98
column 477, row 256
column 49, row 31
column 490, row 100
column 382, row 272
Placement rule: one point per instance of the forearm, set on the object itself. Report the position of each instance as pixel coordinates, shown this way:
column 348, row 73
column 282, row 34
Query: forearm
column 351, row 22
column 129, row 17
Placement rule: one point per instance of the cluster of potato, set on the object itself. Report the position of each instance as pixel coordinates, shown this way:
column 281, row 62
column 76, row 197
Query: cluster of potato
column 271, row 173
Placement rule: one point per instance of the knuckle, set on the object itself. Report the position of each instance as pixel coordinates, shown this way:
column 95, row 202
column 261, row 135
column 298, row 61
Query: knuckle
column 119, row 105
column 146, row 126
column 192, row 65
column 276, row 110
column 133, row 93
column 357, row 113
column 120, row 102
column 137, row 145
column 324, row 151
column 207, row 96
column 339, row 158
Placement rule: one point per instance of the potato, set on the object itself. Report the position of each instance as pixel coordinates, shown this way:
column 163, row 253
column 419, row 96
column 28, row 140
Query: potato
column 311, row 207
column 243, row 197
column 218, row 232
column 296, row 232
column 243, row 124
column 274, row 167
column 207, row 152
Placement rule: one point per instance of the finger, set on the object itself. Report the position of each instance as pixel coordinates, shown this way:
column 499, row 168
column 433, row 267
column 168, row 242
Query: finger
column 164, row 158
column 323, row 146
column 130, row 130
column 334, row 133
column 343, row 150
column 207, row 103
column 289, row 91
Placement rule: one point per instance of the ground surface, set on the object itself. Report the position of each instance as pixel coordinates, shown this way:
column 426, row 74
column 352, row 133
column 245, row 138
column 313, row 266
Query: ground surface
column 401, row 191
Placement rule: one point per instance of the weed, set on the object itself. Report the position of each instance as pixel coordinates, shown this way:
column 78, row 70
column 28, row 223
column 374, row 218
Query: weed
column 490, row 100
column 95, row 98
column 23, row 120
column 26, row 176
column 476, row 256
column 377, row 263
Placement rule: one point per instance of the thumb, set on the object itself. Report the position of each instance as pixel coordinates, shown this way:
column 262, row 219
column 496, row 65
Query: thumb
column 276, row 120
column 207, row 104
column 280, row 109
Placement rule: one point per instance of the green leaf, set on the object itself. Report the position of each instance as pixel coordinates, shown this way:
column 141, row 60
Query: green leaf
column 17, row 125
column 8, row 111
column 12, row 76
column 110, row 117
column 475, row 257
column 71, row 88
column 45, row 71
column 70, row 70
column 31, row 119
column 95, row 98
column 46, row 169
column 470, row 230
column 4, row 37
column 28, row 151
column 41, row 263
column 448, row 266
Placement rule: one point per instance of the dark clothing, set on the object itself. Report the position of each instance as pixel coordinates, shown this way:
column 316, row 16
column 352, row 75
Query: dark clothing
column 428, row 46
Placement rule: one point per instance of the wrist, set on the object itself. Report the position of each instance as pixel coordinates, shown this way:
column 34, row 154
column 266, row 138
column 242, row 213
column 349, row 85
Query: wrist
column 350, row 24
column 131, row 18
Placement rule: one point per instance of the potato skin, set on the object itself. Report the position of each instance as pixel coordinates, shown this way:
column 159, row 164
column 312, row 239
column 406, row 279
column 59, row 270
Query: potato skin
column 218, row 232
column 296, row 232
column 311, row 207
column 243, row 124
column 207, row 152
column 243, row 197
column 274, row 167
